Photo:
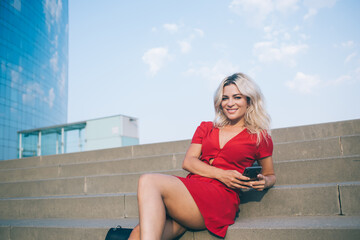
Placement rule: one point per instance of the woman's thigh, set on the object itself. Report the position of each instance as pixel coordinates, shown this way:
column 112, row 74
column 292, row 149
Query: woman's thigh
column 177, row 199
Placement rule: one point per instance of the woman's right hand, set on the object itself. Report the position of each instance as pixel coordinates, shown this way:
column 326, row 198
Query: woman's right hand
column 233, row 179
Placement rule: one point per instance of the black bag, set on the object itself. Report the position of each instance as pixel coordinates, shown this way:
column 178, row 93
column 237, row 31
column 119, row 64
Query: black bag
column 118, row 233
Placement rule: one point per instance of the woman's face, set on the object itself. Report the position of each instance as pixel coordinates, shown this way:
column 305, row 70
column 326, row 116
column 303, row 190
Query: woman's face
column 233, row 103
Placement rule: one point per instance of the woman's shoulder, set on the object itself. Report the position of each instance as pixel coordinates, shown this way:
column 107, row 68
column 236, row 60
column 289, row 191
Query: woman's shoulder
column 207, row 124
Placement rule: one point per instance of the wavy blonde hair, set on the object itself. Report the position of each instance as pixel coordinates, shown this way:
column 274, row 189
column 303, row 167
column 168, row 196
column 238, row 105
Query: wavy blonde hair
column 257, row 120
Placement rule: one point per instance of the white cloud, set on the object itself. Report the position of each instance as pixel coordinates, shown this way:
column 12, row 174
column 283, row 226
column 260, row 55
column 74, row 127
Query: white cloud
column 16, row 76
column 16, row 4
column 53, row 9
column 269, row 51
column 255, row 11
column 315, row 5
column 171, row 27
column 156, row 58
column 54, row 61
column 185, row 46
column 304, row 36
column 311, row 12
column 50, row 98
column 33, row 91
column 352, row 77
column 297, row 28
column 319, row 3
column 62, row 80
column 199, row 32
column 348, row 44
column 350, row 57
column 303, row 83
column 286, row 6
column 341, row 80
column 55, row 42
column 214, row 74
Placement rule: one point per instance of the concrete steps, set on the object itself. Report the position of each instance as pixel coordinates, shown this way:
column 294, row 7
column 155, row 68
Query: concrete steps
column 280, row 228
column 117, row 166
column 292, row 200
column 81, row 195
column 306, row 171
column 345, row 147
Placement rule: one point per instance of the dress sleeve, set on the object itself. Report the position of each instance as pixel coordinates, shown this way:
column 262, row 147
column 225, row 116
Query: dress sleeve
column 265, row 148
column 201, row 132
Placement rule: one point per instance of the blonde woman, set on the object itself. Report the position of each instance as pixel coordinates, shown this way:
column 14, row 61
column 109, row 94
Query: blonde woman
column 219, row 152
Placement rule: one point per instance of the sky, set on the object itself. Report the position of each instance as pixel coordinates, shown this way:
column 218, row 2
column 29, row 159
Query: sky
column 161, row 61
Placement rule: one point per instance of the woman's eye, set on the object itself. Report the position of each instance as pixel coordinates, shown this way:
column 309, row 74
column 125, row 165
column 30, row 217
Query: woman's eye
column 237, row 97
column 224, row 98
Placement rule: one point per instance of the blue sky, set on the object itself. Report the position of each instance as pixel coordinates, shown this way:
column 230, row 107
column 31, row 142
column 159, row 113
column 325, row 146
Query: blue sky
column 161, row 61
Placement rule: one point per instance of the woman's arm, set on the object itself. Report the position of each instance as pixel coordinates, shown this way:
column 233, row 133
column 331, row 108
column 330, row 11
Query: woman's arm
column 192, row 163
column 267, row 178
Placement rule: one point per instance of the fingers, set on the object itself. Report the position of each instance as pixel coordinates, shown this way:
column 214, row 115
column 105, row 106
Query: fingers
column 260, row 183
column 236, row 180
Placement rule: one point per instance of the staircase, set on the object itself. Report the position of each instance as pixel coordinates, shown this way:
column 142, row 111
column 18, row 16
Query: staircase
column 81, row 195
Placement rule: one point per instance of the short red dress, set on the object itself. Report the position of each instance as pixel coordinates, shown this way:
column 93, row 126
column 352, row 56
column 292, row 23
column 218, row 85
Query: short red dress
column 217, row 203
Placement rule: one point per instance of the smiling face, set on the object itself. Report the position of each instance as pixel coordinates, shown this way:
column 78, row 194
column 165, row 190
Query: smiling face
column 234, row 104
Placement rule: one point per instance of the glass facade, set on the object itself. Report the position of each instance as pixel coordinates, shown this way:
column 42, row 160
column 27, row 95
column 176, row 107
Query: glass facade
column 33, row 69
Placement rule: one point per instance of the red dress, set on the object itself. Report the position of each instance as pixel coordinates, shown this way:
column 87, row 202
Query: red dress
column 217, row 203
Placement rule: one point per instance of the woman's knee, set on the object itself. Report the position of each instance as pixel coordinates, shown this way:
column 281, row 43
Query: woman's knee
column 149, row 181
column 146, row 179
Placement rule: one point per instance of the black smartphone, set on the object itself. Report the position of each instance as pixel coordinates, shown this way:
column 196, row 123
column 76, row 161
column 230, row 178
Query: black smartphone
column 252, row 172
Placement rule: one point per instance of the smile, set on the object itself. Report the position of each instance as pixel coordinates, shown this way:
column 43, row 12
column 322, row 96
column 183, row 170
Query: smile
column 231, row 110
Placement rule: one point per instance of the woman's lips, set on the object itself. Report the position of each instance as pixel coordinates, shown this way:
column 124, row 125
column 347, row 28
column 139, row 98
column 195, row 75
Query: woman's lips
column 231, row 110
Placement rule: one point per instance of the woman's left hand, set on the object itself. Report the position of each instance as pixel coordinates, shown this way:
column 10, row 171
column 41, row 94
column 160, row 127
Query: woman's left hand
column 263, row 182
column 260, row 183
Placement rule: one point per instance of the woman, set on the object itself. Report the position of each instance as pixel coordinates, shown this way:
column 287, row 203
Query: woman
column 219, row 152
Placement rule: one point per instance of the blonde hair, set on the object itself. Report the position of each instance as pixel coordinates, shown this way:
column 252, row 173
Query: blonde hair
column 257, row 120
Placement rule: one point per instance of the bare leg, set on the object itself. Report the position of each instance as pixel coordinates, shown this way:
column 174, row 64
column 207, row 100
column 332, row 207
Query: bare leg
column 172, row 230
column 160, row 194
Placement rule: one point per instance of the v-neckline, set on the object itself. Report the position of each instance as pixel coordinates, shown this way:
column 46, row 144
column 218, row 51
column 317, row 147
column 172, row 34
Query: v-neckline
column 221, row 148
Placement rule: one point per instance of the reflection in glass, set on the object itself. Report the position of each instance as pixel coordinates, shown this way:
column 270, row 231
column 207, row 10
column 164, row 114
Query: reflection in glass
column 33, row 70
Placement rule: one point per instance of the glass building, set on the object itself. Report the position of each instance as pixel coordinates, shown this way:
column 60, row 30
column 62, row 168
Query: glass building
column 101, row 133
column 33, row 68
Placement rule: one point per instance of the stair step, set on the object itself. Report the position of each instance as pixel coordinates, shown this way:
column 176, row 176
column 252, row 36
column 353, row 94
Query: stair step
column 316, row 131
column 135, row 151
column 296, row 200
column 315, row 149
column 326, row 170
column 115, row 183
column 302, row 172
column 294, row 228
column 174, row 161
column 281, row 228
column 319, row 148
column 130, row 165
